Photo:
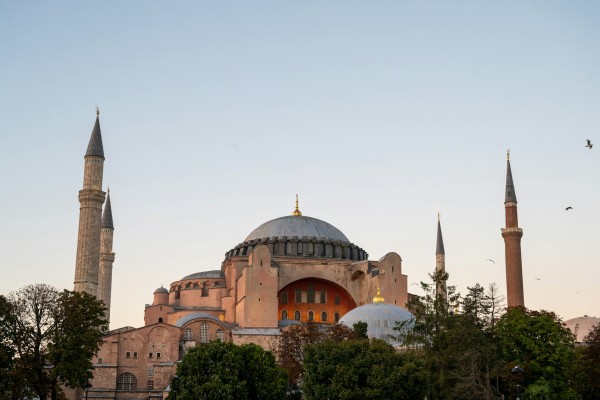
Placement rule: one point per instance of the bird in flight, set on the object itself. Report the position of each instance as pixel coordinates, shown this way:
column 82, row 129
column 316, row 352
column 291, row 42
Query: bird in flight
column 568, row 208
column 537, row 279
column 489, row 259
column 589, row 144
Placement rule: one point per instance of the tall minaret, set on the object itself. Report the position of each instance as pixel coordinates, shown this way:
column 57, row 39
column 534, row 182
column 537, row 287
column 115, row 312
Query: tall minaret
column 440, row 259
column 91, row 198
column 107, row 257
column 512, row 244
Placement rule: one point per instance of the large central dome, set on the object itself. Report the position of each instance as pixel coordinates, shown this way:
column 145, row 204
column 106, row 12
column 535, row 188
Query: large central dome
column 299, row 226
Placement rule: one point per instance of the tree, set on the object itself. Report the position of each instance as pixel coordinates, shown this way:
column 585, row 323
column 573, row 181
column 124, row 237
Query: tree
column 588, row 373
column 540, row 343
column 52, row 337
column 224, row 371
column 362, row 369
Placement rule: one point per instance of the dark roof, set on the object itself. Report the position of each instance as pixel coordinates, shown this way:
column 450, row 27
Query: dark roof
column 95, row 146
column 439, row 249
column 107, row 221
column 511, row 196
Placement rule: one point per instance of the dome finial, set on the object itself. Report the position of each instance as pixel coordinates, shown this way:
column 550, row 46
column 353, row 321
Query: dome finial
column 97, row 111
column 507, row 154
column 297, row 212
column 378, row 297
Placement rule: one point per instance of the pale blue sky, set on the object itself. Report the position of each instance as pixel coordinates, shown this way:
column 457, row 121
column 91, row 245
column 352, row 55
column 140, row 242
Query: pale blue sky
column 379, row 114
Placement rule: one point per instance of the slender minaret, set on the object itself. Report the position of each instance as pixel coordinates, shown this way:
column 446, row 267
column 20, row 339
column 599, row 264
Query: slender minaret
column 107, row 257
column 512, row 244
column 91, row 198
column 440, row 260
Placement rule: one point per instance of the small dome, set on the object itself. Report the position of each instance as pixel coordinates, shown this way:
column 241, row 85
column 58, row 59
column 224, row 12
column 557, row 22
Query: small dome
column 295, row 225
column 216, row 274
column 381, row 319
column 161, row 290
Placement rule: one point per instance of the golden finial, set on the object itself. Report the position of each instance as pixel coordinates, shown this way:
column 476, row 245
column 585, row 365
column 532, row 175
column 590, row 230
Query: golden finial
column 97, row 111
column 297, row 212
column 378, row 297
column 508, row 155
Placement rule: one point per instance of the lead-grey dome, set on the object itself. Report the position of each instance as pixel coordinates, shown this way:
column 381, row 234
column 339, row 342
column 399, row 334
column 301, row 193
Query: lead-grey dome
column 381, row 319
column 299, row 226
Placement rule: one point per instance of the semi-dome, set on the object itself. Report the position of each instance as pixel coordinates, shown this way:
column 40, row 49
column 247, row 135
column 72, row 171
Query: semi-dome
column 299, row 226
column 381, row 319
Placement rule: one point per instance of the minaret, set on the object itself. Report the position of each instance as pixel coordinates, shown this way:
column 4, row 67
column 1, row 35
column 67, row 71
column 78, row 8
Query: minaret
column 107, row 257
column 512, row 244
column 91, row 198
column 440, row 260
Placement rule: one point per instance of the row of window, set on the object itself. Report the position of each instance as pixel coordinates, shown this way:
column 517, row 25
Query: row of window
column 188, row 334
column 135, row 355
column 311, row 316
column 310, row 296
column 128, row 382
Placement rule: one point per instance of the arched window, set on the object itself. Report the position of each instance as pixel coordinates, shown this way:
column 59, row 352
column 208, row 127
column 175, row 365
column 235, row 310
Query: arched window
column 323, row 296
column 284, row 314
column 297, row 315
column 299, row 247
column 204, row 332
column 220, row 335
column 187, row 334
column 337, row 299
column 204, row 289
column 284, row 298
column 323, row 316
column 298, row 295
column 336, row 317
column 160, row 320
column 126, row 382
column 310, row 296
column 311, row 316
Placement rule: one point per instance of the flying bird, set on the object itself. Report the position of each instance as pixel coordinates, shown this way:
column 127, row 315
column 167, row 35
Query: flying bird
column 489, row 259
column 537, row 279
column 568, row 208
column 589, row 144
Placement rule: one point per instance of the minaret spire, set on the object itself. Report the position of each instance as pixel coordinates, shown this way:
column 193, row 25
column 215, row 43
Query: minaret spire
column 512, row 243
column 107, row 257
column 440, row 261
column 91, row 198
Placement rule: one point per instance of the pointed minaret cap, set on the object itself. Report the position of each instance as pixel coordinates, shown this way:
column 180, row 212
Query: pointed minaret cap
column 439, row 248
column 511, row 196
column 95, row 146
column 107, row 221
column 378, row 297
column 297, row 212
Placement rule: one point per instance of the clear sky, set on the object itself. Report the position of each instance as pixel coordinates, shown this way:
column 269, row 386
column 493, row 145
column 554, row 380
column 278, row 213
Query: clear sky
column 378, row 114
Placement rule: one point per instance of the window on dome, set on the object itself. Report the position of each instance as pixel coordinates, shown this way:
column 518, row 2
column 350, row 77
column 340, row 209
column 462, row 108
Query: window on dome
column 323, row 316
column 205, row 289
column 310, row 296
column 284, row 298
column 298, row 295
column 336, row 317
column 311, row 316
column 299, row 247
column 288, row 248
column 297, row 315
column 323, row 296
column 284, row 314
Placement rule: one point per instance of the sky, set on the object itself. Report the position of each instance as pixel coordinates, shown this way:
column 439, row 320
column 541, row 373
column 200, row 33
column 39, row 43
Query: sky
column 378, row 115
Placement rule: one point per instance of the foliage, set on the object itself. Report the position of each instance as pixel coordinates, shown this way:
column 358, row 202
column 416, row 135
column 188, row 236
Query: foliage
column 362, row 369
column 542, row 345
column 223, row 371
column 585, row 376
column 51, row 337
column 361, row 329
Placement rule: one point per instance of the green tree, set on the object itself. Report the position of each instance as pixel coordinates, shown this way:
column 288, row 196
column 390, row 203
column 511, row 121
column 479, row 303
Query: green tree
column 540, row 343
column 362, row 369
column 224, row 371
column 586, row 374
column 53, row 336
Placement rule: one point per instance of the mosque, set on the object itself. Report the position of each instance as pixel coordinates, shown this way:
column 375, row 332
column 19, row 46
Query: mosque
column 291, row 269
